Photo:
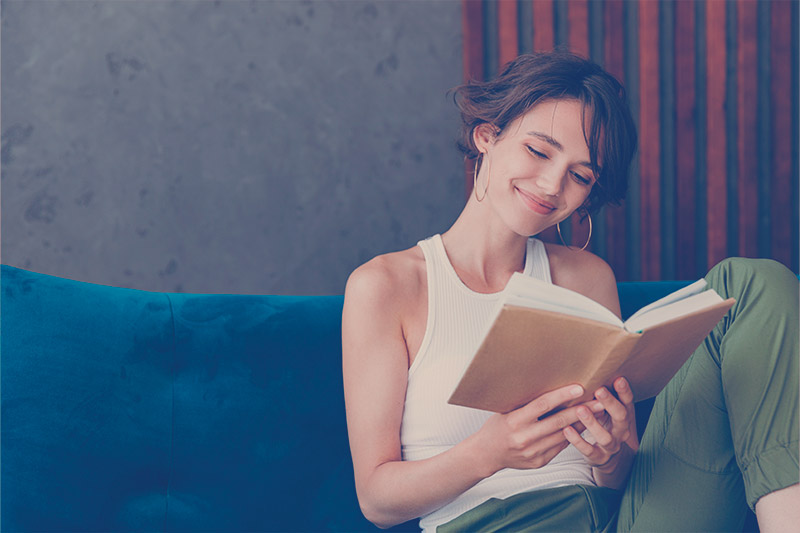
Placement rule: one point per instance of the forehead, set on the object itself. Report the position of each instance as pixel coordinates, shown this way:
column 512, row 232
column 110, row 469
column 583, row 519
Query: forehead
column 553, row 116
column 561, row 120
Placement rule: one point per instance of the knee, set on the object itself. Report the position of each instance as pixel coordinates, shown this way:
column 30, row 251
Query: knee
column 734, row 275
column 751, row 267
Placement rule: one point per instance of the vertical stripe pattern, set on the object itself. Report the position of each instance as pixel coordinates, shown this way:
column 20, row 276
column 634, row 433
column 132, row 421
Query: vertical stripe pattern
column 713, row 89
column 685, row 138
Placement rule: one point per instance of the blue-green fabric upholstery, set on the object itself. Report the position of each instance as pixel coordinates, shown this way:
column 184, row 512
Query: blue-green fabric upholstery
column 130, row 410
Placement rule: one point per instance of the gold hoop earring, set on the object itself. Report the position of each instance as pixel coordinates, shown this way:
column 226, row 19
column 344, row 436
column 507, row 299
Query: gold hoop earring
column 475, row 180
column 558, row 229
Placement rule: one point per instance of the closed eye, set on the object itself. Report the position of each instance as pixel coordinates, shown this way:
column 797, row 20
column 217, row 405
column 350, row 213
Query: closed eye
column 537, row 153
column 581, row 179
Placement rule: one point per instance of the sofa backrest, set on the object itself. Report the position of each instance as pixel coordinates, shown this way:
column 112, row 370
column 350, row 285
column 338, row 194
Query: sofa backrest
column 132, row 410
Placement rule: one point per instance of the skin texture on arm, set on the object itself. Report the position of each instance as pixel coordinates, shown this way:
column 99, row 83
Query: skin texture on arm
column 375, row 366
column 780, row 510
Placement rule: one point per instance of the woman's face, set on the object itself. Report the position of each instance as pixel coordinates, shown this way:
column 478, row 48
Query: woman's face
column 539, row 168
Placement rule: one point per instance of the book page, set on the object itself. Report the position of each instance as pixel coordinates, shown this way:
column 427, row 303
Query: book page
column 663, row 349
column 533, row 293
column 695, row 288
column 682, row 307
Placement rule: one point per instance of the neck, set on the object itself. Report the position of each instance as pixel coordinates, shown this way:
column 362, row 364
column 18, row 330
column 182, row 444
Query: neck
column 482, row 249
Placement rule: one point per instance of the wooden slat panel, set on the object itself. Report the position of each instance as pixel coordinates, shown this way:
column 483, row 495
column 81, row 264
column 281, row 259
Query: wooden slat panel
column 747, row 126
column 781, row 119
column 544, row 41
column 716, row 80
column 578, row 31
column 578, row 38
column 685, row 137
column 614, row 33
column 472, row 38
column 715, row 157
column 650, row 152
column 543, row 33
column 507, row 32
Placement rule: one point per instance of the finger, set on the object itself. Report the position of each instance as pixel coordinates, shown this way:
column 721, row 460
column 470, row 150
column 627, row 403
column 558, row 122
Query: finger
column 558, row 421
column 550, row 400
column 623, row 419
column 579, row 427
column 549, row 441
column 595, row 406
column 539, row 452
column 555, row 422
column 612, row 406
column 574, row 438
column 624, row 391
column 548, row 455
column 604, row 419
column 600, row 434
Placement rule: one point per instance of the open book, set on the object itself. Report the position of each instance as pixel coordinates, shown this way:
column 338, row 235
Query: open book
column 543, row 336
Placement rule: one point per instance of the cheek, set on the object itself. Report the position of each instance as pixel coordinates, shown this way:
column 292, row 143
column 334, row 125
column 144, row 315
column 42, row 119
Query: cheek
column 578, row 194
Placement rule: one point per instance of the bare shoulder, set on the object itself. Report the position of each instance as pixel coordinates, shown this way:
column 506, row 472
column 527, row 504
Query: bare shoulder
column 392, row 277
column 585, row 273
column 375, row 359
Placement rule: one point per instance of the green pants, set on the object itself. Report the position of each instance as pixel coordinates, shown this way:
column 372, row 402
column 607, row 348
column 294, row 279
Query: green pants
column 722, row 434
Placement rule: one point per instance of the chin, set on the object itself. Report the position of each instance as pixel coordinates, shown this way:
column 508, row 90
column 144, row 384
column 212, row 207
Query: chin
column 528, row 229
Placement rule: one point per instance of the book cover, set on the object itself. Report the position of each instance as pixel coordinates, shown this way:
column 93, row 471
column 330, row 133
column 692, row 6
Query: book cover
column 527, row 352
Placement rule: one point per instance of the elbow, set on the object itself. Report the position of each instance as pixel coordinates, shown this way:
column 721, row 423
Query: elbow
column 380, row 518
column 382, row 501
column 377, row 519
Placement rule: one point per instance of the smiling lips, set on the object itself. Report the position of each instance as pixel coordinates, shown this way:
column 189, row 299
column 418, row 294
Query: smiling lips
column 535, row 203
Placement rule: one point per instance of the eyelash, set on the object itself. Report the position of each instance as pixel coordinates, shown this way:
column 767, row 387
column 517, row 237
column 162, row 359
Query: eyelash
column 582, row 180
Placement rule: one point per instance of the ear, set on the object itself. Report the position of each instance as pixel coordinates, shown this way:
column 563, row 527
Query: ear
column 484, row 135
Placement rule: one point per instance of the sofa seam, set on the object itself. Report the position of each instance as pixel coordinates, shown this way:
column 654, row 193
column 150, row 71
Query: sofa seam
column 173, row 372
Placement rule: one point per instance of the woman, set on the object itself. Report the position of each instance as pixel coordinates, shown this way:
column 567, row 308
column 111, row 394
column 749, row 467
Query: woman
column 552, row 135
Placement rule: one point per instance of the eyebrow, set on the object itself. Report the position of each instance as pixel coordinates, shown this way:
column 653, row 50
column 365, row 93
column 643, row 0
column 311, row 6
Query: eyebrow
column 557, row 145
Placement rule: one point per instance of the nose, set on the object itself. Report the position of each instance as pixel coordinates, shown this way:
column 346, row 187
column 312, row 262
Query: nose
column 550, row 181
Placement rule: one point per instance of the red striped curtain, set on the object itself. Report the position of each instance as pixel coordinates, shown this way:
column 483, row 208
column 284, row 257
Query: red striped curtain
column 714, row 91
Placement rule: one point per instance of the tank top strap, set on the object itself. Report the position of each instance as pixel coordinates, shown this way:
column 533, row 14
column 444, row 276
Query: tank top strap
column 439, row 267
column 537, row 264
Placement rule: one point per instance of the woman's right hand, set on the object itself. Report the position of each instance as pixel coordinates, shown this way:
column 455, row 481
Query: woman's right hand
column 527, row 437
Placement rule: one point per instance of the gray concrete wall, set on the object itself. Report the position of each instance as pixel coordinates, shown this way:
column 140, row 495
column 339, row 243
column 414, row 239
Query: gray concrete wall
column 228, row 147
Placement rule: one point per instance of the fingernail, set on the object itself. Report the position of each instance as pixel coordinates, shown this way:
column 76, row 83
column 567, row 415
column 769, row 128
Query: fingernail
column 601, row 393
column 576, row 391
column 621, row 384
column 583, row 412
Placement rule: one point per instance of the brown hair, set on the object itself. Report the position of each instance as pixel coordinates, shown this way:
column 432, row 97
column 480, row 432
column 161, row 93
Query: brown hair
column 532, row 78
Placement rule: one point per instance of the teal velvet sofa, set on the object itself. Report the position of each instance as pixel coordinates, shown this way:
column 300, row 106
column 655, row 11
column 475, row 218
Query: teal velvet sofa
column 131, row 410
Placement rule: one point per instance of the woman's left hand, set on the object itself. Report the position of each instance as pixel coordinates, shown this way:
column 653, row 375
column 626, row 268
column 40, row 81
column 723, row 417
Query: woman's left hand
column 613, row 433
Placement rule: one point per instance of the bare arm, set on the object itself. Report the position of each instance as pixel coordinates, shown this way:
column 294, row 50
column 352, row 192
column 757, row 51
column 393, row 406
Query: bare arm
column 375, row 368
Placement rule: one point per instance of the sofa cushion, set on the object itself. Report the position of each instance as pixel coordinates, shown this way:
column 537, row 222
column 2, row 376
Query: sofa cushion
column 260, row 439
column 86, row 405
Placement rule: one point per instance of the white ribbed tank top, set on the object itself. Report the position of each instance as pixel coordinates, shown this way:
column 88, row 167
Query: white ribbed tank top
column 456, row 317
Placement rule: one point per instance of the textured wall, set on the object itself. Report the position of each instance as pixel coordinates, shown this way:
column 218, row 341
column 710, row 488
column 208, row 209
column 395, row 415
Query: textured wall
column 241, row 147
